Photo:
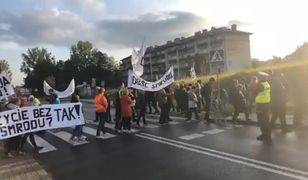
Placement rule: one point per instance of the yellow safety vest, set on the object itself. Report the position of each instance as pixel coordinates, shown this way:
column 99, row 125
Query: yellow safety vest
column 265, row 95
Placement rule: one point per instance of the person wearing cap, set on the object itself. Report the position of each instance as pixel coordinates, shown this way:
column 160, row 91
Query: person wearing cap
column 263, row 100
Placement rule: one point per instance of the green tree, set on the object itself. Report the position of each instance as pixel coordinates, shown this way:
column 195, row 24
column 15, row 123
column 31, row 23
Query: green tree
column 5, row 67
column 37, row 64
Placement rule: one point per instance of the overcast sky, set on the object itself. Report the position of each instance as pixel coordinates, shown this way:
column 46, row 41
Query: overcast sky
column 116, row 26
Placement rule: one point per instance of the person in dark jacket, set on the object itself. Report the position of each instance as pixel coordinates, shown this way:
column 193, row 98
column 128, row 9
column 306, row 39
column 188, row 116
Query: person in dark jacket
column 238, row 100
column 141, row 106
column 206, row 94
column 151, row 101
column 278, row 102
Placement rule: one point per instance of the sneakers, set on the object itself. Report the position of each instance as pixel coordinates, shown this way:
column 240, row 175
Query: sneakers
column 82, row 138
column 100, row 137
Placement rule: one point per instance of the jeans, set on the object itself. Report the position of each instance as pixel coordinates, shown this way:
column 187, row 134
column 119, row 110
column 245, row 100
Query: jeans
column 101, row 125
column 77, row 132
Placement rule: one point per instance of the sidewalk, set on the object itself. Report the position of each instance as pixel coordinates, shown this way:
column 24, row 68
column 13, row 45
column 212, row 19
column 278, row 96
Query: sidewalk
column 21, row 168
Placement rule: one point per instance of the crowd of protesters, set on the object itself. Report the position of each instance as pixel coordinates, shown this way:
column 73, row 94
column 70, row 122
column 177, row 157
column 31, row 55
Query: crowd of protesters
column 265, row 92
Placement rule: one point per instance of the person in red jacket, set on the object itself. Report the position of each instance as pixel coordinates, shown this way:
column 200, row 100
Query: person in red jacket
column 100, row 106
column 126, row 110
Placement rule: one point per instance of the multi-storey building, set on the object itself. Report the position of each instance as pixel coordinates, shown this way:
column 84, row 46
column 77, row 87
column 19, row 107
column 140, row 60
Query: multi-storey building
column 221, row 49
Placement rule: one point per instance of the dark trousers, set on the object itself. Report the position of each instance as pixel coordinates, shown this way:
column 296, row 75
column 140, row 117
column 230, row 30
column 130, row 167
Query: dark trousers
column 207, row 109
column 263, row 111
column 237, row 112
column 126, row 123
column 12, row 144
column 152, row 103
column 141, row 114
column 279, row 112
column 108, row 115
column 118, row 118
column 101, row 125
column 191, row 110
column 24, row 139
column 168, row 109
column 163, row 113
column 77, row 132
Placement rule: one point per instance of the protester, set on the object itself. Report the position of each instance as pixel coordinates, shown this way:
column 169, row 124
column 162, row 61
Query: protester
column 117, row 106
column 263, row 100
column 141, row 107
column 238, row 100
column 55, row 99
column 77, row 132
column 108, row 112
column 199, row 96
column 278, row 102
column 126, row 111
column 192, row 102
column 33, row 101
column 133, row 96
column 206, row 94
column 162, row 102
column 12, row 145
column 100, row 105
column 170, row 97
column 151, row 102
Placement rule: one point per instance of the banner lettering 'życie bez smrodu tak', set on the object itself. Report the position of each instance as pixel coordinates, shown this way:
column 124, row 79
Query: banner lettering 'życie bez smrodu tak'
column 37, row 118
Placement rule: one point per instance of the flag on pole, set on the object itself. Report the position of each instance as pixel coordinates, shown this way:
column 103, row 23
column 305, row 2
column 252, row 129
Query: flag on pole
column 138, row 60
column 193, row 72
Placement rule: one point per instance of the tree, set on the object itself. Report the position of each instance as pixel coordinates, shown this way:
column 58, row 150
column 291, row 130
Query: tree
column 5, row 67
column 37, row 64
column 33, row 56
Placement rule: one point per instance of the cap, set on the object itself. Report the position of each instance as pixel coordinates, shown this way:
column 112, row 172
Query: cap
column 264, row 74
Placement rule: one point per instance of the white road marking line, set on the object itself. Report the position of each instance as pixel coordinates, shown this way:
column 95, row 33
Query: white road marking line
column 66, row 137
column 172, row 117
column 92, row 132
column 191, row 136
column 47, row 147
column 89, row 130
column 110, row 126
column 156, row 121
column 107, row 136
column 213, row 131
column 151, row 126
column 256, row 166
column 224, row 154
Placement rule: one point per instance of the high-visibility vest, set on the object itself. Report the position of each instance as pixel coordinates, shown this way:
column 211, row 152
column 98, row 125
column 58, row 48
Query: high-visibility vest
column 36, row 102
column 265, row 95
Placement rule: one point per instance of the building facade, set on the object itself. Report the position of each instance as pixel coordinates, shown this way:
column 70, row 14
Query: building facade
column 219, row 49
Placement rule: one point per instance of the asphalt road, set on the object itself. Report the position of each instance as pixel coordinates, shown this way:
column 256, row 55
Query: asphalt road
column 180, row 150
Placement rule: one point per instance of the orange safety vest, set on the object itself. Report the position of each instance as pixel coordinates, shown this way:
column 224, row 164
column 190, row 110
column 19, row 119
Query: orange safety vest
column 100, row 103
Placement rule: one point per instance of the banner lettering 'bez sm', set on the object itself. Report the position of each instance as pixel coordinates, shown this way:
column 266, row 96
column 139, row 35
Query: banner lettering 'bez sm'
column 6, row 88
column 36, row 118
column 137, row 82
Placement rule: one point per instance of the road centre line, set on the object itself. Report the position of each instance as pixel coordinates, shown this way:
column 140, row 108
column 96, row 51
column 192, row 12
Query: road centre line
column 222, row 155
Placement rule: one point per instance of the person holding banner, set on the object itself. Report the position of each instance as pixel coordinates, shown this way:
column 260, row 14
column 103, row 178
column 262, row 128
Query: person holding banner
column 100, row 105
column 33, row 102
column 12, row 144
column 77, row 132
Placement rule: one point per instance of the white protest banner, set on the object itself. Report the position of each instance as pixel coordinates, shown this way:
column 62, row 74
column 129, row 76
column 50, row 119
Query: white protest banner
column 61, row 94
column 137, row 61
column 37, row 118
column 6, row 88
column 137, row 82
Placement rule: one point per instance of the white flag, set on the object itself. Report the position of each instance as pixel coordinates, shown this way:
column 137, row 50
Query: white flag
column 137, row 60
column 61, row 94
column 193, row 72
